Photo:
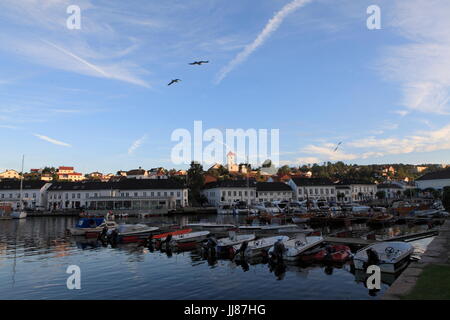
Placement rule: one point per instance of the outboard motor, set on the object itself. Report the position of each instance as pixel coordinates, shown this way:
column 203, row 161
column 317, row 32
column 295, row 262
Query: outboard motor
column 103, row 236
column 242, row 248
column 278, row 250
column 372, row 257
column 113, row 238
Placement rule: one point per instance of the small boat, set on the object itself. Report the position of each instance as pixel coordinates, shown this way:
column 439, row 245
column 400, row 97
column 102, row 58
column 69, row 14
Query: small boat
column 233, row 239
column 301, row 218
column 389, row 256
column 381, row 219
column 268, row 227
column 211, row 225
column 18, row 214
column 256, row 247
column 224, row 209
column 91, row 225
column 187, row 237
column 334, row 253
column 172, row 233
column 135, row 230
column 295, row 247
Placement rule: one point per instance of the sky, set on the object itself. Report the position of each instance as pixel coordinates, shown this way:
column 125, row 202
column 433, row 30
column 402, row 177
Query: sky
column 97, row 98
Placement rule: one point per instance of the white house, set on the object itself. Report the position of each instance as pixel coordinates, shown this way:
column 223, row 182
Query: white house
column 392, row 190
column 126, row 194
column 435, row 180
column 34, row 193
column 357, row 190
column 230, row 191
column 313, row 189
column 273, row 191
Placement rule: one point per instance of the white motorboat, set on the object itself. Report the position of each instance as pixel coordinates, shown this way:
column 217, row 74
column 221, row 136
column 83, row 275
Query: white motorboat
column 295, row 247
column 268, row 227
column 135, row 229
column 211, row 225
column 267, row 207
column 188, row 237
column 20, row 214
column 392, row 256
column 234, row 239
column 224, row 209
column 91, row 225
column 256, row 247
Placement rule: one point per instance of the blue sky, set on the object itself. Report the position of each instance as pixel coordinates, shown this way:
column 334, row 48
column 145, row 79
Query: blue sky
column 97, row 98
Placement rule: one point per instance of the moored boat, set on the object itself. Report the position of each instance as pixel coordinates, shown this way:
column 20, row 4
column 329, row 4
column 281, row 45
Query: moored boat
column 135, row 230
column 389, row 256
column 233, row 239
column 256, row 247
column 91, row 225
column 292, row 249
column 187, row 237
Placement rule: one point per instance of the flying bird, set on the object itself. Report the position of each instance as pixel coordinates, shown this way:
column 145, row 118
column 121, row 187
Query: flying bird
column 198, row 62
column 174, row 81
column 335, row 149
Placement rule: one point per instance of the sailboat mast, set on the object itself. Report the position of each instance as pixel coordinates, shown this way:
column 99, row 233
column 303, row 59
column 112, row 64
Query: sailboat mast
column 21, row 183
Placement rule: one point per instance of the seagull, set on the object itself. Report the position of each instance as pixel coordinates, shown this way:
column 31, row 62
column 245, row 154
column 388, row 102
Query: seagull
column 335, row 149
column 174, row 81
column 198, row 62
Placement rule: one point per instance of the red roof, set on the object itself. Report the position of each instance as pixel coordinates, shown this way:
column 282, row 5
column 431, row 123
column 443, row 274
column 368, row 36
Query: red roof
column 65, row 168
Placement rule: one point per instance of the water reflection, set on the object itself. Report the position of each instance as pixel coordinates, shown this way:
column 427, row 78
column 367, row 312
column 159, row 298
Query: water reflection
column 35, row 253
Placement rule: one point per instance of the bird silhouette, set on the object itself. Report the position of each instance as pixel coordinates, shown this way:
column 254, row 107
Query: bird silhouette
column 198, row 62
column 173, row 81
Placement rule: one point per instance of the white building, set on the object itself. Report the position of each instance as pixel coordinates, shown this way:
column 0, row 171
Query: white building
column 34, row 193
column 273, row 191
column 313, row 189
column 356, row 191
column 391, row 190
column 230, row 191
column 435, row 180
column 9, row 174
column 127, row 194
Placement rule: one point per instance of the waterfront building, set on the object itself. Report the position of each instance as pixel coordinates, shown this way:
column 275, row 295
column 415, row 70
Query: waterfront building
column 357, row 190
column 9, row 174
column 34, row 193
column 392, row 190
column 313, row 189
column 273, row 191
column 230, row 191
column 126, row 194
column 435, row 180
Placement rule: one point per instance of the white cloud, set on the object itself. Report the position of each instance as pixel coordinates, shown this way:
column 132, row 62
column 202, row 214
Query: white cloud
column 51, row 140
column 270, row 27
column 370, row 147
column 136, row 144
column 422, row 65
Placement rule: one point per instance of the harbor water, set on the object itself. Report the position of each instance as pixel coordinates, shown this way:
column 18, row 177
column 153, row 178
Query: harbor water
column 36, row 252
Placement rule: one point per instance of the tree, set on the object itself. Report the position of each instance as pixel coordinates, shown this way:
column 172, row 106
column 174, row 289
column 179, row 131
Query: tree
column 284, row 170
column 381, row 194
column 195, row 182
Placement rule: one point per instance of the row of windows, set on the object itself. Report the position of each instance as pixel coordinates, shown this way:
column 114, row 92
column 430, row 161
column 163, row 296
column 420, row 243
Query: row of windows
column 122, row 194
column 317, row 191
column 11, row 195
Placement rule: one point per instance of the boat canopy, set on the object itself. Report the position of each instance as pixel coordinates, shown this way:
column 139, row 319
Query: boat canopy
column 90, row 222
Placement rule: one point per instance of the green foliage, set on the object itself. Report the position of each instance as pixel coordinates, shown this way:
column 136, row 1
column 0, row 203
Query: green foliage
column 195, row 182
column 380, row 195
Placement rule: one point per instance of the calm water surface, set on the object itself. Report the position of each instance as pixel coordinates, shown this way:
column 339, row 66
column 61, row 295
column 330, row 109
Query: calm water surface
column 35, row 253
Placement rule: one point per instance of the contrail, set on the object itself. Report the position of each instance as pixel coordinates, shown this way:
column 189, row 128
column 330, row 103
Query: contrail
column 54, row 141
column 136, row 144
column 90, row 65
column 270, row 27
